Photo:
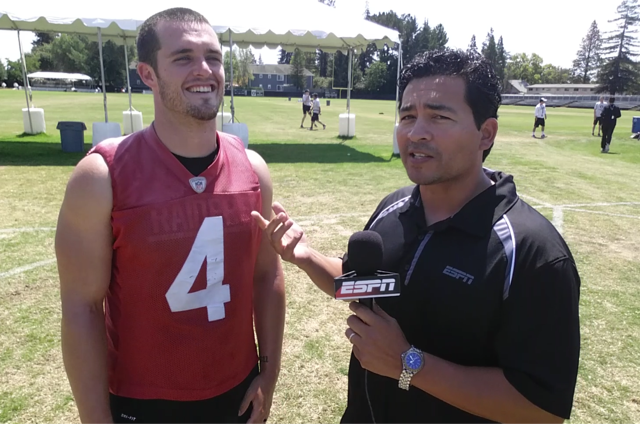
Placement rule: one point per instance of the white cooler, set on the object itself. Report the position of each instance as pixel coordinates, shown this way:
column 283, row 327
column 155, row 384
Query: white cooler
column 223, row 118
column 37, row 120
column 131, row 116
column 103, row 130
column 239, row 130
column 347, row 125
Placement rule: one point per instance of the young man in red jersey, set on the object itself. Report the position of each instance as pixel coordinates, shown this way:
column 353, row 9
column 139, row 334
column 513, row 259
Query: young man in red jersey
column 163, row 273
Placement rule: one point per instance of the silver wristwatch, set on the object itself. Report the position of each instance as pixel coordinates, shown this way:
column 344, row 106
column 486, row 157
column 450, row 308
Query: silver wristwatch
column 412, row 363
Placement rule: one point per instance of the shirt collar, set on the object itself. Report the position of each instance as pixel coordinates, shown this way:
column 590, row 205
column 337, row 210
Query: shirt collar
column 477, row 216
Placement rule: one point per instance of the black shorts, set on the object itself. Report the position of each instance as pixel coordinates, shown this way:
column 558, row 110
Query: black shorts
column 220, row 409
column 315, row 117
column 305, row 109
column 597, row 120
column 539, row 123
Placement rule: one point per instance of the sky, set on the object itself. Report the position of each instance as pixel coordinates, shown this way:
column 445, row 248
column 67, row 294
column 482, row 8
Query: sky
column 551, row 28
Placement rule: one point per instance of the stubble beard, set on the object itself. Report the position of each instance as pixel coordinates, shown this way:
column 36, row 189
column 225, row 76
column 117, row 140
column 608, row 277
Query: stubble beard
column 206, row 111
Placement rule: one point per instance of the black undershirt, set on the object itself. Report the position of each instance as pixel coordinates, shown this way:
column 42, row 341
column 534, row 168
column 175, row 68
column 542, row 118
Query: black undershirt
column 197, row 165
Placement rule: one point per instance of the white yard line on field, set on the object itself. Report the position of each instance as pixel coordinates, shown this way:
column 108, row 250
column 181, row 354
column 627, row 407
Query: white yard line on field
column 602, row 213
column 25, row 268
column 25, row 230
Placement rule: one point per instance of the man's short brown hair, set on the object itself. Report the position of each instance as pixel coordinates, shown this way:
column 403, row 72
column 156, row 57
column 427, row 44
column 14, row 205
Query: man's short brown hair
column 148, row 42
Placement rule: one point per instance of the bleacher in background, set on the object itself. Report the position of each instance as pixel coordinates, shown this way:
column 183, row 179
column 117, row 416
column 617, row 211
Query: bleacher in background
column 585, row 102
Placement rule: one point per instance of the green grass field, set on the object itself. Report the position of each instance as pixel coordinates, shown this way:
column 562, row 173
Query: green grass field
column 330, row 186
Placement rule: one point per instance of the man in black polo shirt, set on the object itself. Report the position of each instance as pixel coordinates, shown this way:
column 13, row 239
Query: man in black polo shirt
column 486, row 327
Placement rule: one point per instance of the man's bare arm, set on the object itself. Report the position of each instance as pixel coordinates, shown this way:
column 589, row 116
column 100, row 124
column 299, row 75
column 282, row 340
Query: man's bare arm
column 269, row 295
column 84, row 249
column 289, row 241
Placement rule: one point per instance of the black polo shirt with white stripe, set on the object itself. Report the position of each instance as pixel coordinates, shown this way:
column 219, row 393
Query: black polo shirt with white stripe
column 495, row 285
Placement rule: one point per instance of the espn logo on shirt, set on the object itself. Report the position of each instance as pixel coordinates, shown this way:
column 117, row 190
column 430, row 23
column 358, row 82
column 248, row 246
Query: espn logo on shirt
column 383, row 284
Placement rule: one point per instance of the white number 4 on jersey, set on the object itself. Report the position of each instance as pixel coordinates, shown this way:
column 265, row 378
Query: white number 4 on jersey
column 209, row 245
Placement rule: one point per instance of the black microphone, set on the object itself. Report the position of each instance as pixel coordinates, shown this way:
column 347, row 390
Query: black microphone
column 366, row 281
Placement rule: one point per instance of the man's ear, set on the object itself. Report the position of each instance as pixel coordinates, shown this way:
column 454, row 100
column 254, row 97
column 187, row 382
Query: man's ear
column 148, row 75
column 488, row 130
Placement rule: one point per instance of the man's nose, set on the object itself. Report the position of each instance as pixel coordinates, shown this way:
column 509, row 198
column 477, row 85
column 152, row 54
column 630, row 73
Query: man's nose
column 421, row 130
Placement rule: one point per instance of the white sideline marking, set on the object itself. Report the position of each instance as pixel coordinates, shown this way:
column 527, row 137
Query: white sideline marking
column 603, row 213
column 586, row 205
column 25, row 268
column 558, row 218
column 24, row 230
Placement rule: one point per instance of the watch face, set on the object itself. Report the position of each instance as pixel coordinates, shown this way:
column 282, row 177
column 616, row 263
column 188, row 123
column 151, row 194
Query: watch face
column 413, row 360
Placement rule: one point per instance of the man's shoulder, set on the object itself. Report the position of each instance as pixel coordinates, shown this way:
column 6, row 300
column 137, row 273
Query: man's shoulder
column 401, row 195
column 537, row 240
column 390, row 203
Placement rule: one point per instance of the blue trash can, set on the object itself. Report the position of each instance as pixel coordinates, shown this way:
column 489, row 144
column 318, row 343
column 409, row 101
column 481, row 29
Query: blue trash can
column 635, row 127
column 72, row 136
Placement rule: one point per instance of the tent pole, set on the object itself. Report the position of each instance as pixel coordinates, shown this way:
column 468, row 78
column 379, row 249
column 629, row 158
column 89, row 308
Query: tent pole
column 126, row 65
column 233, row 109
column 398, row 77
column 349, row 83
column 349, row 94
column 104, row 91
column 26, row 82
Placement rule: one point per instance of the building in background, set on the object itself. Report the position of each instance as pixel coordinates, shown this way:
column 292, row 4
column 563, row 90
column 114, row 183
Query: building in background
column 277, row 78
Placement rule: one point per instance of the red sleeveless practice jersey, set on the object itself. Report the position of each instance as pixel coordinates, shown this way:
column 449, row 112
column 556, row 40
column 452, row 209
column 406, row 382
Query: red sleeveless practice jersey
column 179, row 310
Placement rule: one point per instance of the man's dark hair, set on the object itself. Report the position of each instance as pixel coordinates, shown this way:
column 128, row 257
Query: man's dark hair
column 148, row 42
column 612, row 99
column 482, row 91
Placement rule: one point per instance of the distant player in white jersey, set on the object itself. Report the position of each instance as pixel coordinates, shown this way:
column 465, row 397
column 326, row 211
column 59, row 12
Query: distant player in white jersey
column 315, row 118
column 541, row 116
column 306, row 106
column 597, row 115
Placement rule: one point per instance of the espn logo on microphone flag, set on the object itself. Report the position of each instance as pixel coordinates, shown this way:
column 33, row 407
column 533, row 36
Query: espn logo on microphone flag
column 384, row 284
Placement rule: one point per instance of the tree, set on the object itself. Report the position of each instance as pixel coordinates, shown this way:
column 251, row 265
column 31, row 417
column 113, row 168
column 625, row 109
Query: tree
column 367, row 57
column 310, row 62
column 244, row 75
column 367, row 13
column 3, row 72
column 555, row 75
column 115, row 67
column 438, row 38
column 227, row 67
column 14, row 73
column 502, row 61
column 43, row 38
column 323, row 63
column 525, row 68
column 297, row 69
column 620, row 74
column 68, row 53
column 331, row 3
column 285, row 57
column 472, row 44
column 489, row 49
column 588, row 58
column 375, row 77
column 260, row 62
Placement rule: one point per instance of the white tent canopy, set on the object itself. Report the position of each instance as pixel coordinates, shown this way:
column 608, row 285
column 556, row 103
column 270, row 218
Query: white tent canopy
column 252, row 23
column 60, row 75
column 241, row 22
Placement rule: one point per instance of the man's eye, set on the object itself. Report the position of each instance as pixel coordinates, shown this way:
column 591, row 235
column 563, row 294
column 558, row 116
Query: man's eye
column 406, row 117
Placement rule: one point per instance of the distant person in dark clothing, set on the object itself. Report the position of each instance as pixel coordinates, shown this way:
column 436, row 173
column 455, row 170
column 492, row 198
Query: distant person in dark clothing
column 610, row 116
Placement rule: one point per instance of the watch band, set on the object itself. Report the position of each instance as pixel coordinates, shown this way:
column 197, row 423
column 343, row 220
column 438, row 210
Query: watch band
column 404, row 382
column 405, row 379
